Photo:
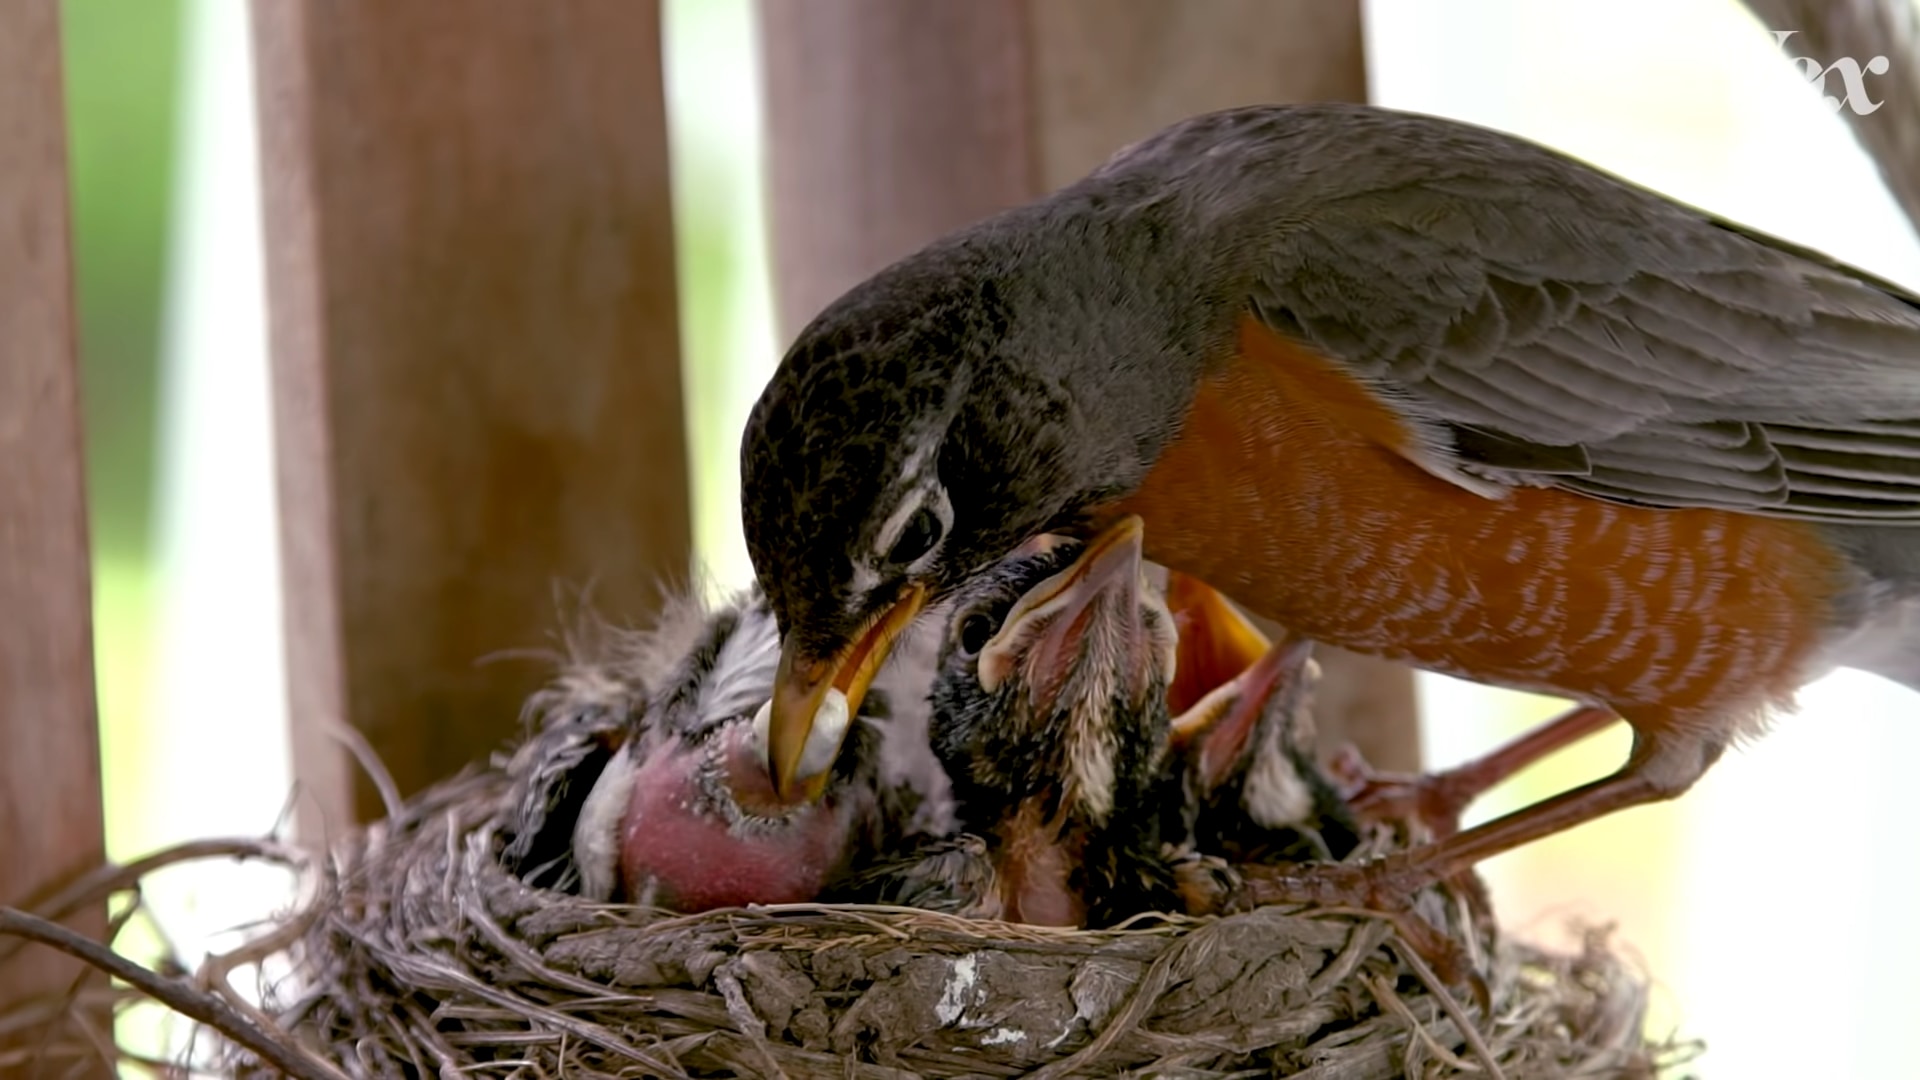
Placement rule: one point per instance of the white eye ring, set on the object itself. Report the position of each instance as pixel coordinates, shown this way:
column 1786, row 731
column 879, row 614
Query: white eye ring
column 930, row 496
column 830, row 727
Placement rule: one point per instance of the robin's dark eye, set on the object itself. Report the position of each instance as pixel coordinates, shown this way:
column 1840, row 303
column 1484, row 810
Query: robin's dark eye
column 918, row 538
column 975, row 631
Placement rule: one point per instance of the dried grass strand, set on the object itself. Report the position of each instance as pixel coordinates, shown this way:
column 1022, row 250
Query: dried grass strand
column 188, row 1001
column 1448, row 1004
column 98, row 885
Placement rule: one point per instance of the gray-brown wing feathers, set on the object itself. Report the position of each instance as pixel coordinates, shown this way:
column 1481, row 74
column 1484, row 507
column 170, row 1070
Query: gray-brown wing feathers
column 1553, row 325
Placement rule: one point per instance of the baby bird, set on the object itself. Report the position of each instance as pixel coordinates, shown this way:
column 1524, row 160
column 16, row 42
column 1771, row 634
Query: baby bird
column 1242, row 780
column 1081, row 802
column 1049, row 714
column 680, row 810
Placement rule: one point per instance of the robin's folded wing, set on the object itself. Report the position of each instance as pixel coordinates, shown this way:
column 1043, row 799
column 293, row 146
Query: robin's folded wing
column 1552, row 325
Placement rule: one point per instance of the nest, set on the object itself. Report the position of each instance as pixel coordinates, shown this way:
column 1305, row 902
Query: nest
column 418, row 954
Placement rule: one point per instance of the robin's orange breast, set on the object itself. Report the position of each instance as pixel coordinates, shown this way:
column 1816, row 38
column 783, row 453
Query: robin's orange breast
column 1285, row 491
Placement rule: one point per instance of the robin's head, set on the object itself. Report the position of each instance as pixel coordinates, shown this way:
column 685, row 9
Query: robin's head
column 1053, row 679
column 903, row 443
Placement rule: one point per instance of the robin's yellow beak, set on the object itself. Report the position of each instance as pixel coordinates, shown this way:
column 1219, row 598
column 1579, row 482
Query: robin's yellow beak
column 804, row 685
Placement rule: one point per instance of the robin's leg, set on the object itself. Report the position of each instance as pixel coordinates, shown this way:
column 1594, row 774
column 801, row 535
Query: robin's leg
column 1665, row 762
column 1437, row 800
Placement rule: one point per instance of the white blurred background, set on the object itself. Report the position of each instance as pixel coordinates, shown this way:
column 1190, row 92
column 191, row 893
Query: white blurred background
column 1773, row 905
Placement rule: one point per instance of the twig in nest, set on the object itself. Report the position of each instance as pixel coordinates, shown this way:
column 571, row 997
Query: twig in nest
column 1411, row 957
column 370, row 763
column 189, row 1001
column 216, row 971
column 556, row 1018
column 1146, row 994
column 102, row 882
column 1393, row 1004
column 745, row 1020
column 1365, row 938
column 102, row 1043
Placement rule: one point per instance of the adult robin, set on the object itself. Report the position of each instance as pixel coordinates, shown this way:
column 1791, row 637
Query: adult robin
column 678, row 808
column 1403, row 385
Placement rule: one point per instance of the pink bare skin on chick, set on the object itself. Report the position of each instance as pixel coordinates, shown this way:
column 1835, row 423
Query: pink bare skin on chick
column 684, row 849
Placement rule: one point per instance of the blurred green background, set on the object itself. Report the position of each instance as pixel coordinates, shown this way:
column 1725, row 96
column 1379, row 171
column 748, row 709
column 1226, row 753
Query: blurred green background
column 123, row 78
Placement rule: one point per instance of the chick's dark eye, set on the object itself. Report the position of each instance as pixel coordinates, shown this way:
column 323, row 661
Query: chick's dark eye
column 918, row 538
column 975, row 631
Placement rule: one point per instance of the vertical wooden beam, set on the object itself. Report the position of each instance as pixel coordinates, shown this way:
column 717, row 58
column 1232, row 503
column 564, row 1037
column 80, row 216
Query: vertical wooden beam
column 890, row 124
column 475, row 353
column 1108, row 72
column 50, row 816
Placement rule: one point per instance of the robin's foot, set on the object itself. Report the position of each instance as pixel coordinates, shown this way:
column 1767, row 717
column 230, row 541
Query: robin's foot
column 1207, row 884
column 1434, row 802
column 1388, row 886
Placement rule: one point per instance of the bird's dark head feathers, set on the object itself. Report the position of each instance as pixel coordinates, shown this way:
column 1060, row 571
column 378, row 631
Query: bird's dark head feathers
column 1006, row 380
column 898, row 399
column 907, row 440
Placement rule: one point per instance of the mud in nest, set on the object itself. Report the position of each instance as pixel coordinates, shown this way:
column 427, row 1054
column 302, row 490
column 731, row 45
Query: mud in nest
column 418, row 954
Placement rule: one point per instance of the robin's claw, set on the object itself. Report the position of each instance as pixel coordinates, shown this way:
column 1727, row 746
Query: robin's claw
column 1433, row 803
column 1206, row 884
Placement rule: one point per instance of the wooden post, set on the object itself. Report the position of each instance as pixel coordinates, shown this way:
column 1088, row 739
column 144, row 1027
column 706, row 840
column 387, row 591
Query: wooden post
column 475, row 358
column 50, row 811
column 888, row 124
column 891, row 124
